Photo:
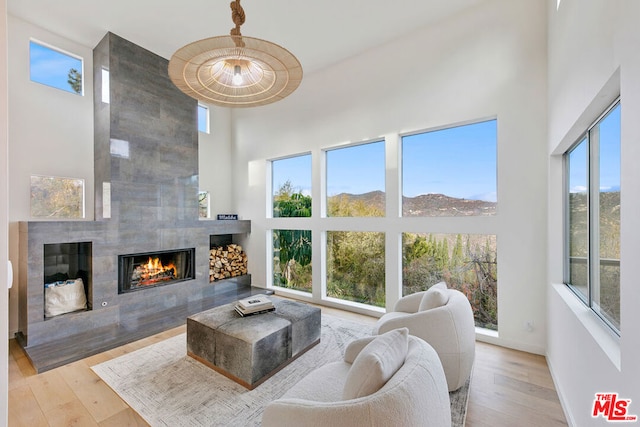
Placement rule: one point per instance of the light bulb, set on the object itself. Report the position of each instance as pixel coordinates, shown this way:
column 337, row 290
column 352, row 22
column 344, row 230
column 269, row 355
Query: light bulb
column 237, row 75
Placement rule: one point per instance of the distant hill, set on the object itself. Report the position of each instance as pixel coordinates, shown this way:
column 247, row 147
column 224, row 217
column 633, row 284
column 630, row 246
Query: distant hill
column 427, row 204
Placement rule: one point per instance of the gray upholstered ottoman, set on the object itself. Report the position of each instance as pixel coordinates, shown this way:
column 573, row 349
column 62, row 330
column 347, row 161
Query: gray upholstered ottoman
column 251, row 349
column 305, row 323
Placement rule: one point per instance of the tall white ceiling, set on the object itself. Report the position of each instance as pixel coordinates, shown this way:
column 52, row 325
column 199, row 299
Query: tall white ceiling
column 319, row 33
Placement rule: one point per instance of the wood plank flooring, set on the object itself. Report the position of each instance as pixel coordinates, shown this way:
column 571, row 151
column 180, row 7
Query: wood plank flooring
column 508, row 388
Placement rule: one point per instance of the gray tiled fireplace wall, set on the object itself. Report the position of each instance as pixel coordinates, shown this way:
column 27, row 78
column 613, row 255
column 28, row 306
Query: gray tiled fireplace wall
column 146, row 148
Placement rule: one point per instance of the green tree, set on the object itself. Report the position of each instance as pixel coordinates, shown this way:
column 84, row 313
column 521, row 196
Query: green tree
column 355, row 266
column 469, row 266
column 292, row 248
column 75, row 80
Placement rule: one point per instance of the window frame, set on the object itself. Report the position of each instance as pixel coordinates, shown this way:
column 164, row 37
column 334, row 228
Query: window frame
column 61, row 52
column 593, row 216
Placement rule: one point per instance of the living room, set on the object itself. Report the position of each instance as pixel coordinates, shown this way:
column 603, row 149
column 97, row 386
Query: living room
column 545, row 70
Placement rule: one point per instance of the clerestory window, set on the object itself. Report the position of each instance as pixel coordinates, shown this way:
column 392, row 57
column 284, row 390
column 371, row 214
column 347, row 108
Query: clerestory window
column 56, row 68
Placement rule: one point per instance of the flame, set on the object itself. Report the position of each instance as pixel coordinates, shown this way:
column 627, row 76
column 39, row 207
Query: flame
column 153, row 271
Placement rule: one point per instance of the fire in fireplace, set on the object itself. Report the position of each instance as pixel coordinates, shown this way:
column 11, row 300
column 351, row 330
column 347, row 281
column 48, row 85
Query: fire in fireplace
column 150, row 269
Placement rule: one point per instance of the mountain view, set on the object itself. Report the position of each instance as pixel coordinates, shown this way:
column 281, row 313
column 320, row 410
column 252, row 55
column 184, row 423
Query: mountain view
column 425, row 204
column 355, row 260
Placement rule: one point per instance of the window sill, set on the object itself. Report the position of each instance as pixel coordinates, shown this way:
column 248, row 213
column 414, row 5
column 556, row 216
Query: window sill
column 601, row 334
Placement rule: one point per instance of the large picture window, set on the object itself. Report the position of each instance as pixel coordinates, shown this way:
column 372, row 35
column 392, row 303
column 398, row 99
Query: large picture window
column 592, row 200
column 447, row 172
column 450, row 172
column 355, row 181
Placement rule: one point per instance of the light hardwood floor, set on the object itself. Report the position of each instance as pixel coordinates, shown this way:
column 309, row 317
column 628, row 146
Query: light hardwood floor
column 508, row 388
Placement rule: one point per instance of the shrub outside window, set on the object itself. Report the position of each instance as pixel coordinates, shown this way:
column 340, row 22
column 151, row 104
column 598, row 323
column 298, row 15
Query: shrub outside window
column 592, row 200
column 466, row 262
column 292, row 259
column 355, row 266
column 55, row 197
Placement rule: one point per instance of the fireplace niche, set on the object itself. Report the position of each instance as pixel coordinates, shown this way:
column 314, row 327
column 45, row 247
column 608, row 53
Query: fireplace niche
column 151, row 269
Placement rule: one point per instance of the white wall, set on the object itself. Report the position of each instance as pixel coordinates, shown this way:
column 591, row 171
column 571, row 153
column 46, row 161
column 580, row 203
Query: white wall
column 4, row 202
column 593, row 56
column 489, row 61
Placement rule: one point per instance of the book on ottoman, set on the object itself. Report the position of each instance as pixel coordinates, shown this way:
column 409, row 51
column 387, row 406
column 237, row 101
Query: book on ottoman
column 254, row 305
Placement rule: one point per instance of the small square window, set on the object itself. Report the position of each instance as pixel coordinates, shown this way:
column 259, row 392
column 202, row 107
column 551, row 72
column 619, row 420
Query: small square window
column 203, row 118
column 55, row 68
column 56, row 197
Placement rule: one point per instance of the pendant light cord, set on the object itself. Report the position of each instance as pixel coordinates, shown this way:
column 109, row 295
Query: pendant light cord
column 238, row 17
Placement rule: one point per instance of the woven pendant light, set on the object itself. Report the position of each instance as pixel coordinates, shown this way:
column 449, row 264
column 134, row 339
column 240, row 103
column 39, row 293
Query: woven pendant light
column 234, row 70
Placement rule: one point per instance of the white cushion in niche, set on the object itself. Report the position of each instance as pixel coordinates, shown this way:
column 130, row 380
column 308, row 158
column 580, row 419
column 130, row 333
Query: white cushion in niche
column 376, row 364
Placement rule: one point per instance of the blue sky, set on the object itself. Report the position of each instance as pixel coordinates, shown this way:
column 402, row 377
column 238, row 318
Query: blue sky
column 459, row 162
column 297, row 170
column 51, row 67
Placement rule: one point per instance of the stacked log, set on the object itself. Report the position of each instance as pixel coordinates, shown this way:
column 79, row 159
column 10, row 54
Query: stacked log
column 227, row 261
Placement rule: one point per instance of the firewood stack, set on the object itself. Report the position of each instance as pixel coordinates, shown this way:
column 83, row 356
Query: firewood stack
column 227, row 261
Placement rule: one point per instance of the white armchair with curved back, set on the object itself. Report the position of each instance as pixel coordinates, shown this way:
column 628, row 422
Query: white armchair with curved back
column 443, row 318
column 389, row 380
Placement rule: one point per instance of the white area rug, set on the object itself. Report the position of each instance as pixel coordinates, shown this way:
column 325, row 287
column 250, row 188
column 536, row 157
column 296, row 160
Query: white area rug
column 168, row 388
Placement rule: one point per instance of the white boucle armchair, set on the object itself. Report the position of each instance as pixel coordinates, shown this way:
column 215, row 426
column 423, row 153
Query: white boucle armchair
column 442, row 317
column 414, row 395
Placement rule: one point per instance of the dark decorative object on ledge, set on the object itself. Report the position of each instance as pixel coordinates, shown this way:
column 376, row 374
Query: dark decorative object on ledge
column 232, row 217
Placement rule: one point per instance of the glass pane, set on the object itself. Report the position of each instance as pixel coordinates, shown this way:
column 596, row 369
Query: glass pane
column 450, row 172
column 203, row 119
column 106, row 95
column 204, row 204
column 291, row 186
column 609, row 189
column 355, row 181
column 54, row 68
column 54, row 197
column 355, row 266
column 578, row 218
column 292, row 259
column 466, row 262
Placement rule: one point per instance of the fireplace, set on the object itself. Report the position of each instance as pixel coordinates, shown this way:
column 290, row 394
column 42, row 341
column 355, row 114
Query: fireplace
column 151, row 269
